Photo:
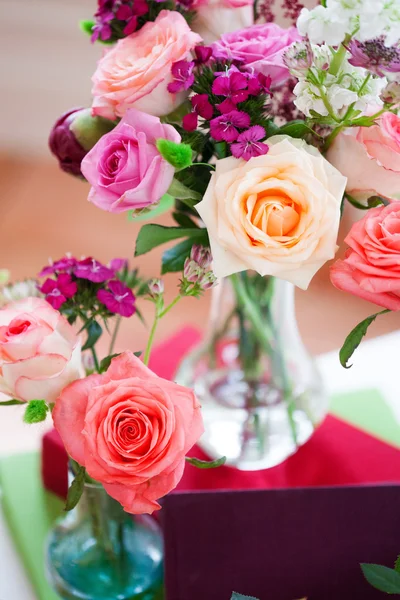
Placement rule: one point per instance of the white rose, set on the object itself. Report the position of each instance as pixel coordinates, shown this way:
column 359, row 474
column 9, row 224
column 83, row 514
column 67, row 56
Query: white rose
column 276, row 214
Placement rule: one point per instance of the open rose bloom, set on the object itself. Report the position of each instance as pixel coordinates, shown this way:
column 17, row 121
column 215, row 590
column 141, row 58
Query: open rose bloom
column 131, row 430
column 39, row 351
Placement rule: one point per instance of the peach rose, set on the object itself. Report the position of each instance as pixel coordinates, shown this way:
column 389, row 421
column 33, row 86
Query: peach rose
column 371, row 268
column 39, row 351
column 216, row 17
column 276, row 214
column 137, row 70
column 131, row 431
column 370, row 158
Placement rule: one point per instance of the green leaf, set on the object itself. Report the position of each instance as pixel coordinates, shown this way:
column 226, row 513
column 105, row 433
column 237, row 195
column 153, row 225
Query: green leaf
column 94, row 331
column 236, row 596
column 36, row 411
column 354, row 338
column 382, row 578
column 182, row 192
column 105, row 363
column 295, row 129
column 86, row 25
column 178, row 155
column 184, row 220
column 75, row 490
column 151, row 236
column 166, row 203
column 374, row 201
column 138, row 354
column 174, row 258
column 397, row 564
column 206, row 464
column 12, row 402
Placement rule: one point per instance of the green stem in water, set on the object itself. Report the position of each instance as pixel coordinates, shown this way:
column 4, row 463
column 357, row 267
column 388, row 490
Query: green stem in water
column 114, row 335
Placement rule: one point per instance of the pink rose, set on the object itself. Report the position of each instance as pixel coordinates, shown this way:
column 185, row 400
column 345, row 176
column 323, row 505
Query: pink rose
column 125, row 169
column 39, row 351
column 371, row 268
column 370, row 158
column 137, row 70
column 259, row 48
column 217, row 17
column 131, row 431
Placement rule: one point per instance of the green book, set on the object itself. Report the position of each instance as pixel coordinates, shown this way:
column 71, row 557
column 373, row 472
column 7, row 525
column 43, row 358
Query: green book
column 30, row 521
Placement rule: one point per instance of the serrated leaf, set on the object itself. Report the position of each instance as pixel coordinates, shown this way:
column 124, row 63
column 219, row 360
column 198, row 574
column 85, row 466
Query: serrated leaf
column 382, row 578
column 94, row 331
column 165, row 204
column 151, row 236
column 236, row 596
column 12, row 402
column 180, row 191
column 174, row 258
column 105, row 363
column 206, row 464
column 76, row 488
column 295, row 129
column 355, row 337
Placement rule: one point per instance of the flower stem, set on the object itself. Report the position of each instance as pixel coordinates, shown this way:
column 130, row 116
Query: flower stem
column 160, row 313
column 332, row 136
column 114, row 335
column 339, row 57
column 95, row 359
column 173, row 303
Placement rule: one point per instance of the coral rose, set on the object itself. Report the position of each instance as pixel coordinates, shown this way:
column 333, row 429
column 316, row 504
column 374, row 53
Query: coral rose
column 217, row 17
column 259, row 48
column 137, row 70
column 276, row 214
column 371, row 268
column 374, row 168
column 125, row 168
column 131, row 430
column 39, row 351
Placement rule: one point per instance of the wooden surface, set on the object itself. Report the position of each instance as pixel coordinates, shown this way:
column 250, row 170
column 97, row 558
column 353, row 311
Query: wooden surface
column 44, row 213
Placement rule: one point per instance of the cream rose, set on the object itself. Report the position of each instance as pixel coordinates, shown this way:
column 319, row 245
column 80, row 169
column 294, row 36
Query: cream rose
column 276, row 214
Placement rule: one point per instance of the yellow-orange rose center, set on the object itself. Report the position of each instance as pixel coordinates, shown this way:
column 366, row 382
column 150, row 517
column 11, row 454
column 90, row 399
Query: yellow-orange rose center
column 275, row 214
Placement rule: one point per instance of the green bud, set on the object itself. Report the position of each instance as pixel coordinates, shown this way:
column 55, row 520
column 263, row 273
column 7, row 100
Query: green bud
column 36, row 411
column 178, row 155
column 88, row 129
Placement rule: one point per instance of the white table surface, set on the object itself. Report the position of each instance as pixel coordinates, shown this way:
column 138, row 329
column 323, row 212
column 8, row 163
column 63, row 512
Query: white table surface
column 375, row 365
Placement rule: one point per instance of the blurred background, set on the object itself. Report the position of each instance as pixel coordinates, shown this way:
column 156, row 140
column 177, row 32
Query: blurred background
column 46, row 64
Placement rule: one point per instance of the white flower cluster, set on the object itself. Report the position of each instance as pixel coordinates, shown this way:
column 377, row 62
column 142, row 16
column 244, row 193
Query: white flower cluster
column 332, row 95
column 18, row 291
column 363, row 19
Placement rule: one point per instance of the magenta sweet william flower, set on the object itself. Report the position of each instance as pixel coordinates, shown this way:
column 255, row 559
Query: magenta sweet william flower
column 66, row 264
column 190, row 121
column 94, row 271
column 118, row 298
column 248, row 143
column 225, row 127
column 182, row 72
column 202, row 106
column 234, row 87
column 125, row 169
column 58, row 291
column 117, row 264
column 203, row 54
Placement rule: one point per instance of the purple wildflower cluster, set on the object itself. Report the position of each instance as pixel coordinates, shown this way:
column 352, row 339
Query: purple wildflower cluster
column 117, row 18
column 374, row 56
column 197, row 276
column 223, row 107
column 82, row 282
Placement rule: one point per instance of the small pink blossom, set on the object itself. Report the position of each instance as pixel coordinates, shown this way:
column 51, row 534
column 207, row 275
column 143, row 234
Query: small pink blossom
column 248, row 143
column 202, row 106
column 91, row 269
column 60, row 290
column 190, row 121
column 118, row 298
column 225, row 127
column 182, row 72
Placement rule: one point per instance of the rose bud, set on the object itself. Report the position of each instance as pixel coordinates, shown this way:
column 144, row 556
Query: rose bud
column 74, row 134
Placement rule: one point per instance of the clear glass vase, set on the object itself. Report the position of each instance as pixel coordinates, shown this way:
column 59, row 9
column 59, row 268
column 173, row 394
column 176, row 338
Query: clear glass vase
column 99, row 552
column 261, row 394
